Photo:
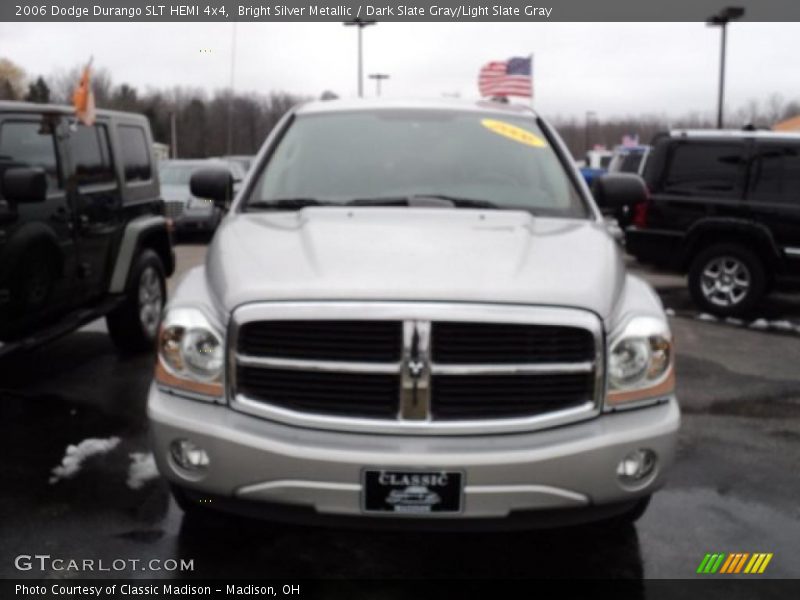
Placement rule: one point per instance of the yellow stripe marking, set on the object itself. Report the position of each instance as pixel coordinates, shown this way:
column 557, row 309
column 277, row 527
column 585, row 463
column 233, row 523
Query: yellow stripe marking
column 751, row 566
column 765, row 563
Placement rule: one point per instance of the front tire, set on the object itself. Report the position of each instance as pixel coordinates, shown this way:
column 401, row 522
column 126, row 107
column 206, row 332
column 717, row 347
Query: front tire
column 133, row 326
column 727, row 280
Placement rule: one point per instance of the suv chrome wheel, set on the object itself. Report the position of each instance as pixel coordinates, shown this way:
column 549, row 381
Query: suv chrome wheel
column 725, row 281
column 151, row 300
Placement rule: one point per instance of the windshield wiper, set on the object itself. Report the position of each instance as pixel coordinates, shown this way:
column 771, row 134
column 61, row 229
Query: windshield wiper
column 461, row 202
column 289, row 203
column 416, row 200
column 424, row 200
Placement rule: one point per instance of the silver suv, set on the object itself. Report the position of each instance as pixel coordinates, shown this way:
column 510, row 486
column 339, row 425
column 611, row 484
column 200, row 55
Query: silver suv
column 415, row 296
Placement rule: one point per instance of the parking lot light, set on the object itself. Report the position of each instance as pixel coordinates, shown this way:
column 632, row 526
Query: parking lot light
column 360, row 23
column 721, row 19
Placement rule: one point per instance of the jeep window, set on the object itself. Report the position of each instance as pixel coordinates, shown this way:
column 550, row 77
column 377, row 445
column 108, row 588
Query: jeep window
column 135, row 155
column 29, row 144
column 776, row 174
column 697, row 169
column 363, row 156
column 91, row 155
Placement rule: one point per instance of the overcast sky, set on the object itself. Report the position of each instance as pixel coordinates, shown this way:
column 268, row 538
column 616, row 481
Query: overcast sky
column 613, row 69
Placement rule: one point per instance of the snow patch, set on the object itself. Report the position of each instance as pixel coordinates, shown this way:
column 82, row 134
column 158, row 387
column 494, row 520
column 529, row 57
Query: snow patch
column 670, row 312
column 142, row 469
column 759, row 324
column 706, row 317
column 734, row 321
column 75, row 455
column 782, row 325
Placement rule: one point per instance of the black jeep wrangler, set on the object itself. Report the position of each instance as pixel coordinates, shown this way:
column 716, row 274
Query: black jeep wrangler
column 724, row 207
column 82, row 227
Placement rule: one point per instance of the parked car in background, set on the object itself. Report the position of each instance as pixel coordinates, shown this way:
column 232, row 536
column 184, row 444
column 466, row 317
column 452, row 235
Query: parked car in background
column 724, row 207
column 595, row 164
column 243, row 160
column 414, row 315
column 187, row 212
column 160, row 151
column 628, row 159
column 82, row 227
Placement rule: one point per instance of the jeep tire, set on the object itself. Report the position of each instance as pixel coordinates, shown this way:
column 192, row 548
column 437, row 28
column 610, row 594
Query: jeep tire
column 727, row 280
column 133, row 325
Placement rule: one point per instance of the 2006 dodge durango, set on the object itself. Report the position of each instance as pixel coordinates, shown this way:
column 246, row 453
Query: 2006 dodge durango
column 413, row 315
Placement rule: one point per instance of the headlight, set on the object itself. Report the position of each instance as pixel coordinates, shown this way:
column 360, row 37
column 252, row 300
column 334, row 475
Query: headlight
column 191, row 354
column 640, row 362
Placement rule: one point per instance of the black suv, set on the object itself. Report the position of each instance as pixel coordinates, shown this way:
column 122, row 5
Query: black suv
column 724, row 207
column 82, row 226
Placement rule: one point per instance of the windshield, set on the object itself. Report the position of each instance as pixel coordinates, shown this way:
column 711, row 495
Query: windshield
column 171, row 174
column 339, row 158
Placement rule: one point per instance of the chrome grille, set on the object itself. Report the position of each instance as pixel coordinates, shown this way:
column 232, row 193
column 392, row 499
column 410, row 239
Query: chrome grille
column 416, row 367
column 478, row 343
column 370, row 341
column 174, row 208
column 504, row 396
column 368, row 395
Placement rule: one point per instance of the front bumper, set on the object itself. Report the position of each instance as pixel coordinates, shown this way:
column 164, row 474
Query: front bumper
column 202, row 221
column 258, row 461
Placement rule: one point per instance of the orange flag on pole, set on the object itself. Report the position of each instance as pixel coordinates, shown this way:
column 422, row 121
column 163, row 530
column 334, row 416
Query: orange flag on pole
column 83, row 98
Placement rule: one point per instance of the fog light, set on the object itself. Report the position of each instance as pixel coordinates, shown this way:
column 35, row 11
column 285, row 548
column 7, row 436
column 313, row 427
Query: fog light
column 636, row 466
column 189, row 455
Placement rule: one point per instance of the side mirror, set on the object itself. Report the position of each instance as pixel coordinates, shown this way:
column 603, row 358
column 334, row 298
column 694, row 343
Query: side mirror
column 213, row 182
column 23, row 185
column 618, row 190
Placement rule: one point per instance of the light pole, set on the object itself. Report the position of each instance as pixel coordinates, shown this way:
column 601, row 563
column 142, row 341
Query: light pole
column 360, row 23
column 721, row 19
column 590, row 116
column 378, row 77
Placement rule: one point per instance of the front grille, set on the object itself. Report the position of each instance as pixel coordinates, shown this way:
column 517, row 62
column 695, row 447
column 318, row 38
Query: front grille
column 174, row 209
column 458, row 376
column 505, row 343
column 368, row 341
column 506, row 396
column 365, row 395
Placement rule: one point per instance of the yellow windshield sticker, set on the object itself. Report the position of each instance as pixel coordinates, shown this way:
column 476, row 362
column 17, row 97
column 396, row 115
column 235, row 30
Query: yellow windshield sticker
column 512, row 132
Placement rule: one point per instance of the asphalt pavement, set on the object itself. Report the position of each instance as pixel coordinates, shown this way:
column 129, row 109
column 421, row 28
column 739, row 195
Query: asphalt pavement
column 734, row 488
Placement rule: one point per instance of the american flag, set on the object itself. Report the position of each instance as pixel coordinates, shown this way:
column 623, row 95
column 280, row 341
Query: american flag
column 512, row 77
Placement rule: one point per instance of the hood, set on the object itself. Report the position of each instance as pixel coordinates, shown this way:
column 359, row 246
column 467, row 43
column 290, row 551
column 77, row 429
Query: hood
column 414, row 254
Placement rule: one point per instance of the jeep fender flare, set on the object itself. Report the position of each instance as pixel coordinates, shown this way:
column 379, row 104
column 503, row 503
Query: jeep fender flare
column 741, row 230
column 30, row 235
column 142, row 232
